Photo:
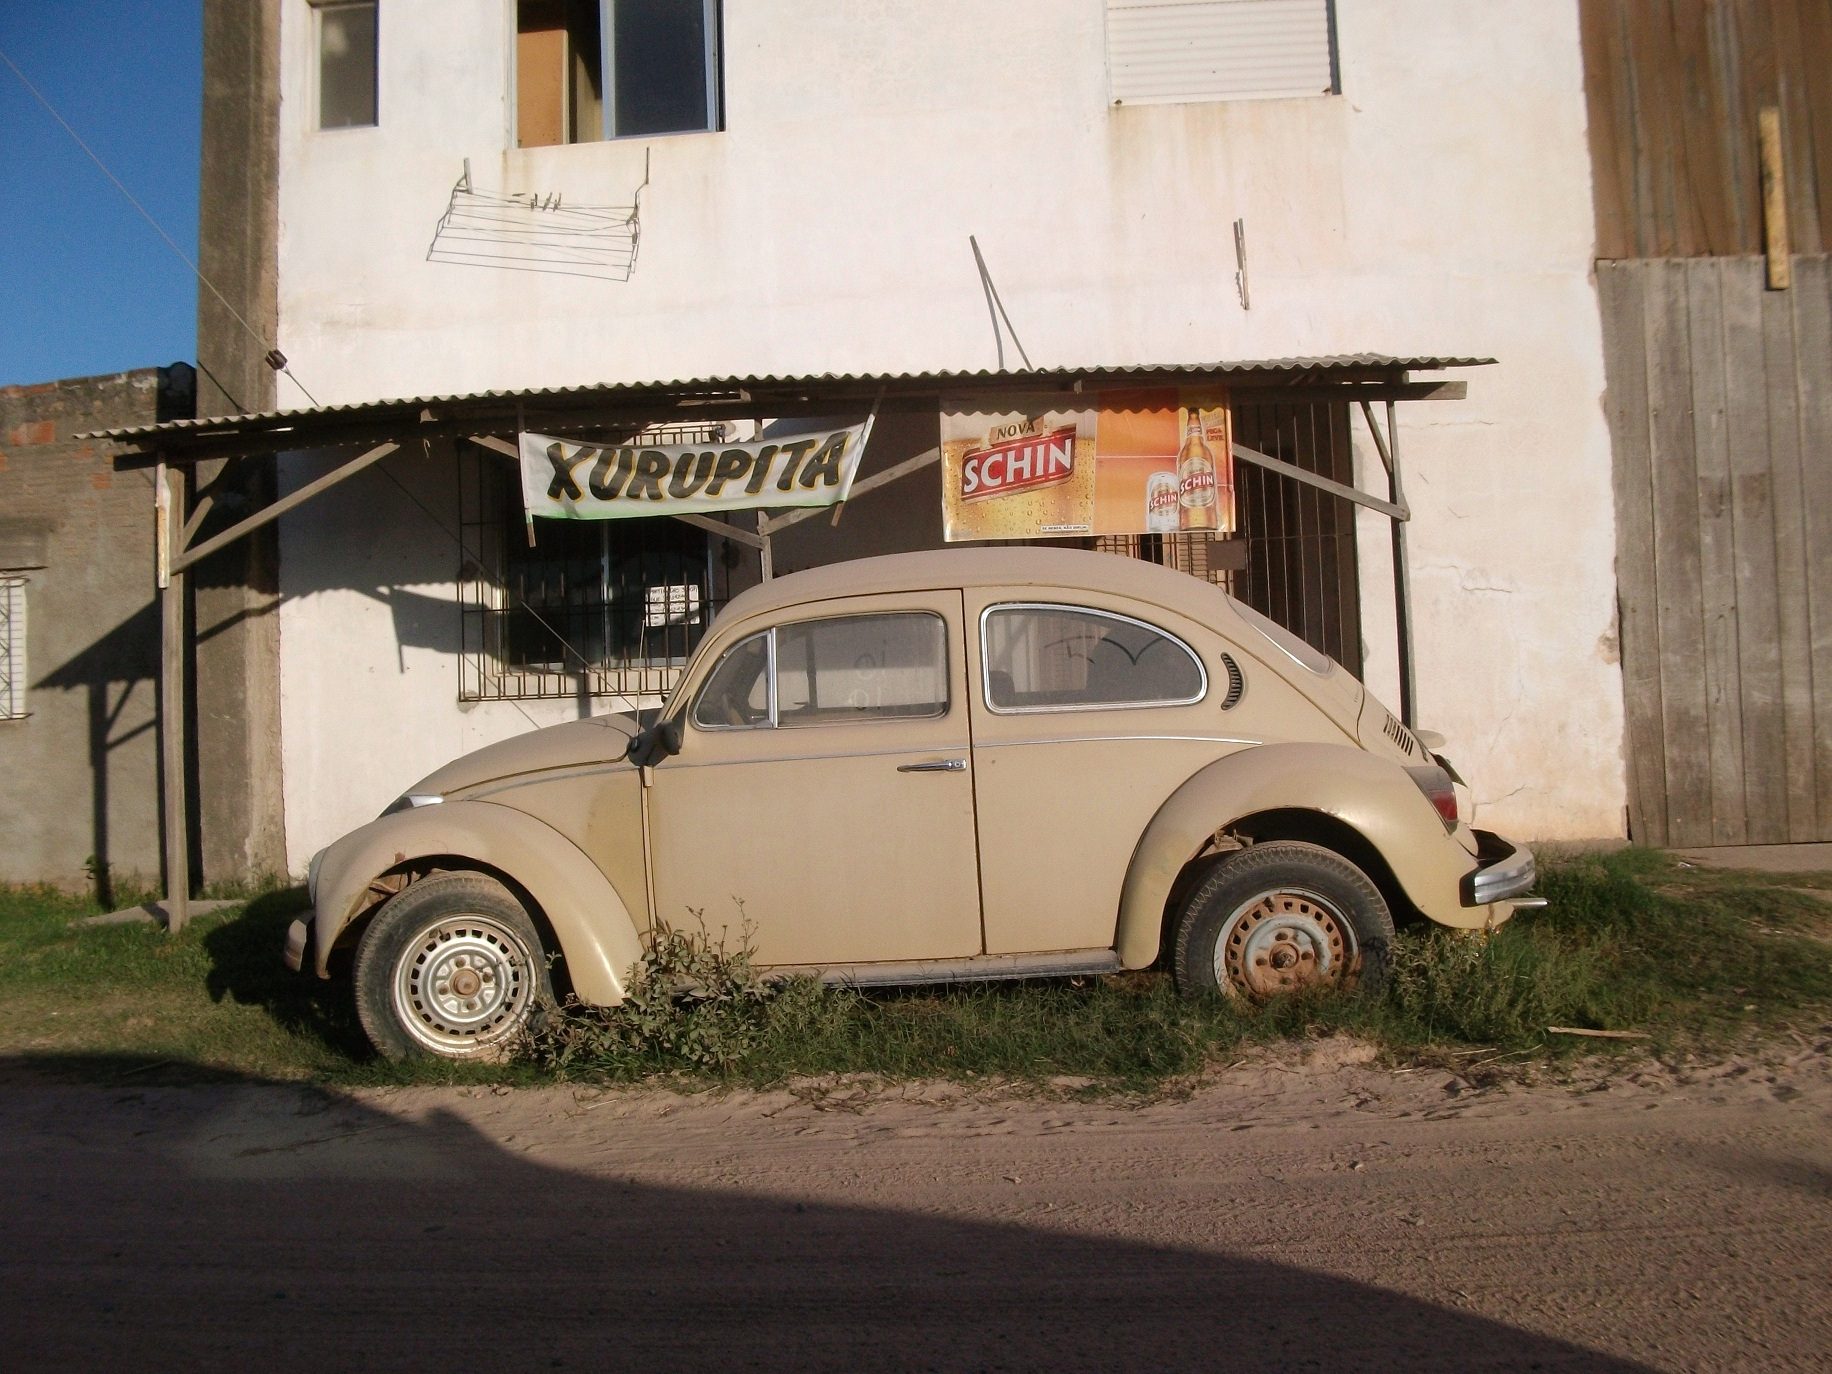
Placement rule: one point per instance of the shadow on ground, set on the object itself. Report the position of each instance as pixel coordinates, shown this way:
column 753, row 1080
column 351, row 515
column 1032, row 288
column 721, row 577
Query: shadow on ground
column 245, row 967
column 279, row 1227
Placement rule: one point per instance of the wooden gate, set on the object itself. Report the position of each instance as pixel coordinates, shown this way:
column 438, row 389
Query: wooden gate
column 1720, row 412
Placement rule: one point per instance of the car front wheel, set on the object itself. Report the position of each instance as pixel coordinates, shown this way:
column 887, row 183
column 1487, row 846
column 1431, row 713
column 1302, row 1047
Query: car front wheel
column 1281, row 916
column 450, row 967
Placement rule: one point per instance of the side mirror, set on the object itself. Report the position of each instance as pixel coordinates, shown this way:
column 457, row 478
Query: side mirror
column 659, row 741
column 669, row 737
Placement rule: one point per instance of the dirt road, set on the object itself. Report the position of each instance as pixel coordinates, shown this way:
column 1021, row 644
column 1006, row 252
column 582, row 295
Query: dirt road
column 1310, row 1214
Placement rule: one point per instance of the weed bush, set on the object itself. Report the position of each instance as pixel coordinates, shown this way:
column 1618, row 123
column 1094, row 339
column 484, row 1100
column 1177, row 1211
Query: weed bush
column 692, row 1005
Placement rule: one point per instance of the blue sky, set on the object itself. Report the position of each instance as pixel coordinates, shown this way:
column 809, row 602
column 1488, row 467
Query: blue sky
column 86, row 285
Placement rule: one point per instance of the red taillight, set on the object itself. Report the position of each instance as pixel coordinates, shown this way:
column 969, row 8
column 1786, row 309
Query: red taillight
column 1439, row 790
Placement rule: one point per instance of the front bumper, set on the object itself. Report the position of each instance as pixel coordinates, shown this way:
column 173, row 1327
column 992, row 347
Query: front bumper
column 1503, row 870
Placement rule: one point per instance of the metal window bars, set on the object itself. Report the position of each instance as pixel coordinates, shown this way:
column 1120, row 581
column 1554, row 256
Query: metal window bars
column 1301, row 564
column 593, row 607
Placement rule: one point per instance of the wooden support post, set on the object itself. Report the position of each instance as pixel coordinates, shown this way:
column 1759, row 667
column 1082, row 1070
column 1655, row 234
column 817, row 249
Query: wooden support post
column 1402, row 581
column 172, row 710
column 1774, row 202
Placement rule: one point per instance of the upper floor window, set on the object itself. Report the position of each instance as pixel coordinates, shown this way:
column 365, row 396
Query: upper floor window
column 592, row 69
column 346, row 62
column 1179, row 51
column 1066, row 658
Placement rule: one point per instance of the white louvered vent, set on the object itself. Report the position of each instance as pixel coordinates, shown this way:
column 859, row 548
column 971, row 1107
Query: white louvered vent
column 1174, row 51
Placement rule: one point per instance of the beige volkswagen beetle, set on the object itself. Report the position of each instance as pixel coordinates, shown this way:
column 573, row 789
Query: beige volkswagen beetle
column 977, row 763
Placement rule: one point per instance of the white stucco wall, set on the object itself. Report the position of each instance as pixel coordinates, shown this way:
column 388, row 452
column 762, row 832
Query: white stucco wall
column 1440, row 205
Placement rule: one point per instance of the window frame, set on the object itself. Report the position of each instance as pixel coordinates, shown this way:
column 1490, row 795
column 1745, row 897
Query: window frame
column 774, row 719
column 711, row 55
column 712, row 68
column 769, row 685
column 319, row 9
column 1202, row 671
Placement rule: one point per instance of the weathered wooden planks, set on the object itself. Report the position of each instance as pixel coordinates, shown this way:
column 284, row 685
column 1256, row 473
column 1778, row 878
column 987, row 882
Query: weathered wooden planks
column 1720, row 411
column 1792, row 614
column 1625, row 360
column 1679, row 593
column 1812, row 300
column 1716, row 549
column 1673, row 89
column 1758, row 630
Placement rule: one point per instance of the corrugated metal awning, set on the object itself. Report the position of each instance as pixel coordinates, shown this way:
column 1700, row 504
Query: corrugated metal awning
column 554, row 407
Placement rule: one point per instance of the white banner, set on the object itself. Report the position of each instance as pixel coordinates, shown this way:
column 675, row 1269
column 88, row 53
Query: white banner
column 563, row 480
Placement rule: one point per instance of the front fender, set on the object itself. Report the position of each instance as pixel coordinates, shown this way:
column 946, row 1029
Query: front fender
column 1371, row 796
column 588, row 917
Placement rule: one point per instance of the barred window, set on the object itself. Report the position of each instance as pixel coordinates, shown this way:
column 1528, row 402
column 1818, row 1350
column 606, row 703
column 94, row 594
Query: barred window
column 593, row 607
column 12, row 646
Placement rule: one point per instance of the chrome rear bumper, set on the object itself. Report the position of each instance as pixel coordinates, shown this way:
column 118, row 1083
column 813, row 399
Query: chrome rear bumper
column 1503, row 870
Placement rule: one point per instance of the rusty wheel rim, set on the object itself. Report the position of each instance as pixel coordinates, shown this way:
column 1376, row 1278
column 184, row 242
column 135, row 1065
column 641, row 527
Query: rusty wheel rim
column 465, row 985
column 1284, row 940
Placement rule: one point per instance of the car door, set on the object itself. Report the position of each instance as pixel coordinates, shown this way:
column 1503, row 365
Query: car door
column 822, row 798
column 1086, row 717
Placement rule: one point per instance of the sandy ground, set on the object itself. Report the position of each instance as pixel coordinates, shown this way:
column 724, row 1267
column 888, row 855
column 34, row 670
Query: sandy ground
column 1309, row 1213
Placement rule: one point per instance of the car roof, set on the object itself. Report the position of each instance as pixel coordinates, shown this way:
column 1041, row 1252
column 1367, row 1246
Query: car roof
column 1046, row 569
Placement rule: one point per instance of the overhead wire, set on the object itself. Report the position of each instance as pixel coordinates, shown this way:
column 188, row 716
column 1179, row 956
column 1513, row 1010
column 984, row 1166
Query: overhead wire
column 157, row 228
column 284, row 368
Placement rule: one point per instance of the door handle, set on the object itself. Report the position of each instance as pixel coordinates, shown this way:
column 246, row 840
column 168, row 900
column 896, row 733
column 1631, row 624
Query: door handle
column 935, row 766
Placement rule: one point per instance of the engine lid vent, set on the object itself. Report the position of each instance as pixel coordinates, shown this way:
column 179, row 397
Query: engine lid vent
column 1401, row 736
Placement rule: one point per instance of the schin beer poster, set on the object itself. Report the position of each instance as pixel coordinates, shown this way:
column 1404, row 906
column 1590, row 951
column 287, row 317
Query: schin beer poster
column 1130, row 462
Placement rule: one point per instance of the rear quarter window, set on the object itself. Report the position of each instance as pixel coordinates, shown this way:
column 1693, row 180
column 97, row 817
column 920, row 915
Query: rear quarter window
column 1069, row 658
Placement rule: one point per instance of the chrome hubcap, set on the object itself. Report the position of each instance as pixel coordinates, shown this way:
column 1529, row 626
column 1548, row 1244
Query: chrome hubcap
column 1284, row 940
column 464, row 984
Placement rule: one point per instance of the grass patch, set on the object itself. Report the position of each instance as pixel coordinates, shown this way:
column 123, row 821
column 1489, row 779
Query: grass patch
column 1697, row 959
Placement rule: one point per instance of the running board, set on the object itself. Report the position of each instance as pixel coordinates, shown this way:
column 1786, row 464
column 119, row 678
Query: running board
column 978, row 969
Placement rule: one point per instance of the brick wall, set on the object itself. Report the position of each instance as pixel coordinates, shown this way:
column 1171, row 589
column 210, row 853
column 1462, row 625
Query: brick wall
column 79, row 773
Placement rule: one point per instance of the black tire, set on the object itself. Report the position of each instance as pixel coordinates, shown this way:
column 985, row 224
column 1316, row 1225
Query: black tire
column 1279, row 916
column 450, row 967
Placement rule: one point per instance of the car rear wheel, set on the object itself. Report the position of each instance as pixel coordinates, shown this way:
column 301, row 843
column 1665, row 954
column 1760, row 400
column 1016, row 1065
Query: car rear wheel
column 450, row 967
column 1279, row 917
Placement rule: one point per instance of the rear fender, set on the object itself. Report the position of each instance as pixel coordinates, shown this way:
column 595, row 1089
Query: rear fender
column 590, row 920
column 1372, row 796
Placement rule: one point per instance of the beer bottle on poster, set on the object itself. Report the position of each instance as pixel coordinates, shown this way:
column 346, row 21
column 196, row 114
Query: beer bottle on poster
column 1196, row 479
column 1162, row 503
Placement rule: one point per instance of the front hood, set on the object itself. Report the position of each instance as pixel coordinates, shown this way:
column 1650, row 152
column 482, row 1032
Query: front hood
column 595, row 740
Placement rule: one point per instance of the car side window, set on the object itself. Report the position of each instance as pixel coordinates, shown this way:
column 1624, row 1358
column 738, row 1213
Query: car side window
column 737, row 694
column 1067, row 658
column 821, row 672
column 861, row 667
